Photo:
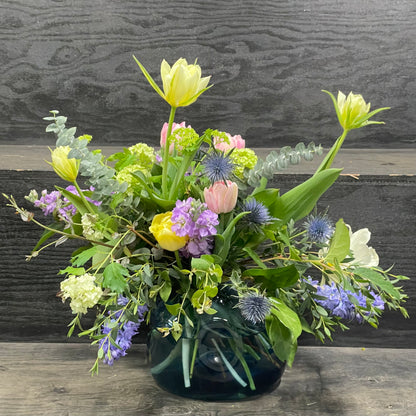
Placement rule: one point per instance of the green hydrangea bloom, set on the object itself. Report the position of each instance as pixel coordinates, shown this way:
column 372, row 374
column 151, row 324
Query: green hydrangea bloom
column 125, row 176
column 243, row 159
column 145, row 155
column 185, row 138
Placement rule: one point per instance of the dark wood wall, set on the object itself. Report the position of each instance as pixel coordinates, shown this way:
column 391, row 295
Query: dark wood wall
column 269, row 60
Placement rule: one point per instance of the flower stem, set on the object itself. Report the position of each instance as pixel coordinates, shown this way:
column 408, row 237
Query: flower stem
column 166, row 154
column 84, row 200
column 329, row 158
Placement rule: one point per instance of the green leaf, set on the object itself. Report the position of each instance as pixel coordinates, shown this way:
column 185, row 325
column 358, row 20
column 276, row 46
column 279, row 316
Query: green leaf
column 280, row 337
column 271, row 279
column 83, row 256
column 223, row 241
column 379, row 280
column 255, row 257
column 267, row 197
column 149, row 78
column 173, row 309
column 48, row 234
column 200, row 264
column 287, row 317
column 300, row 201
column 77, row 271
column 114, row 277
column 77, row 201
column 165, row 289
column 339, row 247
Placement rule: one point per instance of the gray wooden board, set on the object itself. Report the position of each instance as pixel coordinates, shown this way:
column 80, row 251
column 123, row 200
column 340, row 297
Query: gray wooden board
column 269, row 61
column 40, row 379
column 30, row 310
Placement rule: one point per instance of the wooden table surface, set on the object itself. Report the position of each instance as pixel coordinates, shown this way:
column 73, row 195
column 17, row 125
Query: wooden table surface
column 53, row 379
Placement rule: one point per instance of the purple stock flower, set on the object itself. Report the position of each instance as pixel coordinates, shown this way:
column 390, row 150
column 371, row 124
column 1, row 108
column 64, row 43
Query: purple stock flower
column 53, row 202
column 48, row 202
column 192, row 218
column 125, row 333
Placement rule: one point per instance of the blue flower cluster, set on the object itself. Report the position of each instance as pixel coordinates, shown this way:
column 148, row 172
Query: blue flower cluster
column 124, row 335
column 338, row 301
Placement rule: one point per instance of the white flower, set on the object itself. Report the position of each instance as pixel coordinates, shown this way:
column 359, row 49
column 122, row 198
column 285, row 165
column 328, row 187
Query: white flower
column 363, row 255
column 82, row 290
column 89, row 231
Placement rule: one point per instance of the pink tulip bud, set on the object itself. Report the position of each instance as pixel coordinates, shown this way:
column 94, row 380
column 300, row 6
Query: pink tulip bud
column 221, row 197
column 235, row 142
column 164, row 132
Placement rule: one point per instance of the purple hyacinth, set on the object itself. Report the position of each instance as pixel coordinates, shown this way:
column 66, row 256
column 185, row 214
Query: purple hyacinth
column 192, row 218
column 125, row 333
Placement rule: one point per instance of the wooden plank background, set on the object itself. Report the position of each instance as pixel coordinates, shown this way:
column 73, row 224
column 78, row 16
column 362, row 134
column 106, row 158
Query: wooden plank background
column 30, row 310
column 269, row 60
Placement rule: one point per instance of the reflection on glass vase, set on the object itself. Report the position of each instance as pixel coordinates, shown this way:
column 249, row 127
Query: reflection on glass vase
column 222, row 357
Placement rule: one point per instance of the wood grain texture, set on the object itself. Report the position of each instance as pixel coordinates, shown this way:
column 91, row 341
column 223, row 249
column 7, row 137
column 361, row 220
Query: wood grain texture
column 52, row 380
column 30, row 310
column 269, row 61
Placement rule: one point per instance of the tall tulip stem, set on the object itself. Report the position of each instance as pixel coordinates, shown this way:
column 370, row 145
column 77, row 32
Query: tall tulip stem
column 329, row 158
column 166, row 154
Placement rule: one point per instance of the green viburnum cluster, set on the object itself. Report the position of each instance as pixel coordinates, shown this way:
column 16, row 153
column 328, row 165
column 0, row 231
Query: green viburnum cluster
column 177, row 225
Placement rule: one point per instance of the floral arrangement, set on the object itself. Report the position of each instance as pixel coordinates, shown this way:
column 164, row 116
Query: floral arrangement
column 176, row 225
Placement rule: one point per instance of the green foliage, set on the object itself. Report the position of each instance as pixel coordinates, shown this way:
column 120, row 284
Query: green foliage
column 275, row 162
column 115, row 277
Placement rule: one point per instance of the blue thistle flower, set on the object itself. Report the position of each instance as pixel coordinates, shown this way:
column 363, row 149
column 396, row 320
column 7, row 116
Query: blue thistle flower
column 319, row 228
column 254, row 308
column 218, row 167
column 258, row 213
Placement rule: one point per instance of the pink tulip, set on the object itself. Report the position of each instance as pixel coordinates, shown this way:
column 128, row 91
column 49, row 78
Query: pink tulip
column 221, row 197
column 164, row 132
column 235, row 142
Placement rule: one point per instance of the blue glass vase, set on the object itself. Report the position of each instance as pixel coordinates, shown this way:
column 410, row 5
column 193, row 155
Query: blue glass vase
column 220, row 357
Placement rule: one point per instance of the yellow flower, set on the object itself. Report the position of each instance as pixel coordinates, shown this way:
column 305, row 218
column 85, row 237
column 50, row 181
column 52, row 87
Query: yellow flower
column 64, row 167
column 161, row 228
column 182, row 83
column 353, row 111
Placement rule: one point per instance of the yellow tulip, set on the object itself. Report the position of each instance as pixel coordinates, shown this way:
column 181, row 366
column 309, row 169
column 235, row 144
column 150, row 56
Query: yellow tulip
column 353, row 111
column 66, row 168
column 182, row 83
column 161, row 228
